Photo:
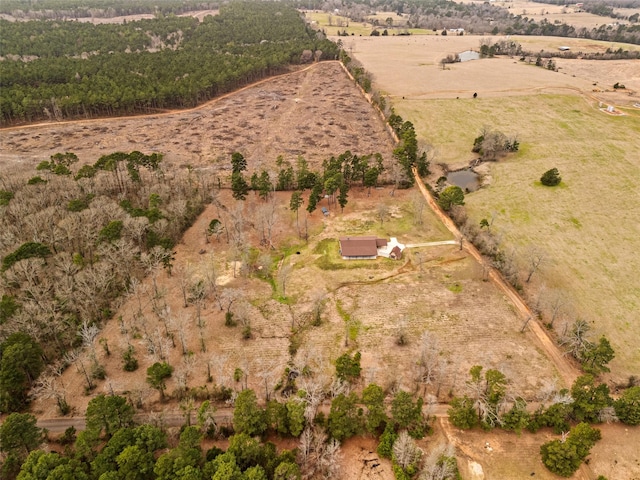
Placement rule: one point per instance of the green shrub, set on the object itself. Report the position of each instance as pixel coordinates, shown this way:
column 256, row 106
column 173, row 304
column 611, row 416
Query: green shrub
column 130, row 362
column 551, row 178
column 24, row 251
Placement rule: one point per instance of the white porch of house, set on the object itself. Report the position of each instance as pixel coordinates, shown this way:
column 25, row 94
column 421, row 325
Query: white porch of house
column 391, row 244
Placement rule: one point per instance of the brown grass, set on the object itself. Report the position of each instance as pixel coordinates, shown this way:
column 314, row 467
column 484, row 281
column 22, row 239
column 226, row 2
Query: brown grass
column 315, row 113
column 591, row 257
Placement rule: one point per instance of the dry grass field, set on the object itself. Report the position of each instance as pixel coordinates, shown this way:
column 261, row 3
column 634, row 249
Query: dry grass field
column 557, row 13
column 332, row 23
column 410, row 67
column 589, row 226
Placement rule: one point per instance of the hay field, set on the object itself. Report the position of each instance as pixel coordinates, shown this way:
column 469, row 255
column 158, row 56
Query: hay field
column 590, row 226
column 410, row 67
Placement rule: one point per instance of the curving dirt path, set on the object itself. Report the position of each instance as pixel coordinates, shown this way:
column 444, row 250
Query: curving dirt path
column 567, row 371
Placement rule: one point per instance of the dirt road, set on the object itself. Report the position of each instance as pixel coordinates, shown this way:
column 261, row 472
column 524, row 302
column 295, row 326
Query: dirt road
column 566, row 370
column 223, row 416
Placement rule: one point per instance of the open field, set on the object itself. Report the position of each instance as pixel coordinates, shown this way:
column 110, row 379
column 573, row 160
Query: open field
column 410, row 67
column 315, row 113
column 557, row 13
column 332, row 23
column 590, row 244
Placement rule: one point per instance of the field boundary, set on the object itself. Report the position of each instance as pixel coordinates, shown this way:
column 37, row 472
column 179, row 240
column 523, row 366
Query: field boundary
column 566, row 370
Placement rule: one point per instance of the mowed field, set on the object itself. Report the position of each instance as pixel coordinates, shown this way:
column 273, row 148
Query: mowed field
column 589, row 227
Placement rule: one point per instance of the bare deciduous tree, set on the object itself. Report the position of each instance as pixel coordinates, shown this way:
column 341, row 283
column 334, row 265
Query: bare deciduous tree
column 318, row 458
column 405, row 451
column 535, row 259
column 382, row 212
column 574, row 339
column 268, row 373
column 266, row 216
column 417, row 207
column 75, row 357
column 219, row 364
column 429, row 361
column 556, row 304
column 283, row 277
column 437, row 469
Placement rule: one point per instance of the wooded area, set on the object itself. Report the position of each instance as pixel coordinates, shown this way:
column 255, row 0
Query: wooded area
column 60, row 69
column 54, row 9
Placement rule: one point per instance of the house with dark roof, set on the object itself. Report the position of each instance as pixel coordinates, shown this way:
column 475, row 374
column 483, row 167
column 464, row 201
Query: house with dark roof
column 361, row 248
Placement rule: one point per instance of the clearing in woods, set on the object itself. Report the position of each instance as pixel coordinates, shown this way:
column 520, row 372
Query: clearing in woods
column 367, row 305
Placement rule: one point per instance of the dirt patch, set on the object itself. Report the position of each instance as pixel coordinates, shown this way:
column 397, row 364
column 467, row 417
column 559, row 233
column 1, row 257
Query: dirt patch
column 361, row 462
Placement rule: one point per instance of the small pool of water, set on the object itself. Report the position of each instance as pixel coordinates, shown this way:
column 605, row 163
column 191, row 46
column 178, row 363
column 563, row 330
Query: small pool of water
column 465, row 179
column 468, row 55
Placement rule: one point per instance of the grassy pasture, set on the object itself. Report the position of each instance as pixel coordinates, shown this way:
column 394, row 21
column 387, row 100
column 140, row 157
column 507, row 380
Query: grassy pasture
column 589, row 226
column 333, row 23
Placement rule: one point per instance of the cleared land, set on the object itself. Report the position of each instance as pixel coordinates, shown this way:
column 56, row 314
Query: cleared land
column 315, row 112
column 367, row 304
column 589, row 226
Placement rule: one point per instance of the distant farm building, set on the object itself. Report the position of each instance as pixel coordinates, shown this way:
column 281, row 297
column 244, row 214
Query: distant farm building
column 564, row 49
column 369, row 247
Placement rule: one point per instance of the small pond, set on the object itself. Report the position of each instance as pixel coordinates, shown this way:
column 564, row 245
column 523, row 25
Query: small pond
column 465, row 179
column 468, row 55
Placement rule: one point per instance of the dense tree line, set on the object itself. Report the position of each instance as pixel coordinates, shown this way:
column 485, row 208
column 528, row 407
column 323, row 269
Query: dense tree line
column 246, row 42
column 41, row 39
column 75, row 239
column 57, row 9
column 488, row 403
column 113, row 446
